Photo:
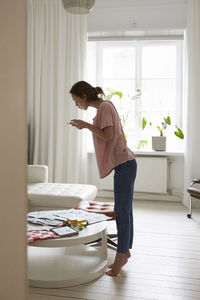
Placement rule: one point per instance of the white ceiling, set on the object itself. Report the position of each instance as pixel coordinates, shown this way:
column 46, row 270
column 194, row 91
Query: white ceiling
column 102, row 4
column 128, row 15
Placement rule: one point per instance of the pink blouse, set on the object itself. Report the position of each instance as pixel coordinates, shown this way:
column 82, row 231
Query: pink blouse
column 113, row 153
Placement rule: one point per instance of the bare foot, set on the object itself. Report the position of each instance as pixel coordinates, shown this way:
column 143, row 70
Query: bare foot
column 120, row 260
column 128, row 255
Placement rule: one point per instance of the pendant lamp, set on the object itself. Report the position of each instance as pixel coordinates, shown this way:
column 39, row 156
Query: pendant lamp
column 78, row 6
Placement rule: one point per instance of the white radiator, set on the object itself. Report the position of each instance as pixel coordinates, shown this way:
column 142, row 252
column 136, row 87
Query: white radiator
column 152, row 174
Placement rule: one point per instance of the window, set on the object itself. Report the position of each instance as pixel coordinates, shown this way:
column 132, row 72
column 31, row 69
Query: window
column 155, row 68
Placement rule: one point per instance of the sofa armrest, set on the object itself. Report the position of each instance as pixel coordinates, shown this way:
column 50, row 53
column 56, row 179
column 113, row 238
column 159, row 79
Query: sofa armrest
column 37, row 173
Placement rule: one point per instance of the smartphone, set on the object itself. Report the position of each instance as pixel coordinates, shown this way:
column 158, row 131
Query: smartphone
column 65, row 231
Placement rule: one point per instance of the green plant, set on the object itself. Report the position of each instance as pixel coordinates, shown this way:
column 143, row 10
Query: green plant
column 179, row 132
column 163, row 126
column 124, row 115
column 142, row 144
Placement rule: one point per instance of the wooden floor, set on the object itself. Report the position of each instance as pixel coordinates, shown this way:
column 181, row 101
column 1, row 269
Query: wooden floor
column 165, row 262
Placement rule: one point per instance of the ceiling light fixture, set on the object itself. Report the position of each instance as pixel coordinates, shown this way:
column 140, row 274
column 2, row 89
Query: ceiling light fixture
column 78, row 6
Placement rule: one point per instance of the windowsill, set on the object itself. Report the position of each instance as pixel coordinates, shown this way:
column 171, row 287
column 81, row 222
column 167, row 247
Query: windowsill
column 158, row 153
column 153, row 153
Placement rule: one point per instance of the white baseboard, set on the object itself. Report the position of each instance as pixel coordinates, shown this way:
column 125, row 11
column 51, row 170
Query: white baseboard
column 177, row 197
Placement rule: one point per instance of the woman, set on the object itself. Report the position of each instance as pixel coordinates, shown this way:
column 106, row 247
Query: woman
column 111, row 153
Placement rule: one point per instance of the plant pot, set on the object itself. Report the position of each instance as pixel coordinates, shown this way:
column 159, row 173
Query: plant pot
column 159, row 143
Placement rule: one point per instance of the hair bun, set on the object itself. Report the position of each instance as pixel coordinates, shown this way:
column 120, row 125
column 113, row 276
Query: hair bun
column 99, row 90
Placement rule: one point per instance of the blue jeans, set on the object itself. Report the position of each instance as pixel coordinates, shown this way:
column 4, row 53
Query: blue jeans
column 124, row 178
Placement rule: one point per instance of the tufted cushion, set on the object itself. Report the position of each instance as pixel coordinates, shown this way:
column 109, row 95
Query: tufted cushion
column 59, row 195
column 97, row 207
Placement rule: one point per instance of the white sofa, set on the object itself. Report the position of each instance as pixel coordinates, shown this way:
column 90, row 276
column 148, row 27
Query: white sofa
column 43, row 195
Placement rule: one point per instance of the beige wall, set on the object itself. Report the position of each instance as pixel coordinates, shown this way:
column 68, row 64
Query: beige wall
column 13, row 137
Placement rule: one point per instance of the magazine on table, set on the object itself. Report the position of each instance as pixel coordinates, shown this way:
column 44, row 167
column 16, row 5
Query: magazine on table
column 72, row 214
column 42, row 221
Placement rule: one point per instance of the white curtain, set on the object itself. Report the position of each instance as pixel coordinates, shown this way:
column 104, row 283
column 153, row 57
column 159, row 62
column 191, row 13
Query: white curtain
column 192, row 151
column 56, row 60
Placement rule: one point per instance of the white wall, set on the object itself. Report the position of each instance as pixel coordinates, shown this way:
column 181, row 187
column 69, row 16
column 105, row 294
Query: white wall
column 13, row 150
column 119, row 15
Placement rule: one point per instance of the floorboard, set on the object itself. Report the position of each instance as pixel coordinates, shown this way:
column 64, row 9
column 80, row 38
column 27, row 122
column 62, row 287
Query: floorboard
column 165, row 262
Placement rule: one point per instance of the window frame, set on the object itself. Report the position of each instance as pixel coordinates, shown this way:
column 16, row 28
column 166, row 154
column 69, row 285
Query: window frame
column 100, row 45
column 97, row 80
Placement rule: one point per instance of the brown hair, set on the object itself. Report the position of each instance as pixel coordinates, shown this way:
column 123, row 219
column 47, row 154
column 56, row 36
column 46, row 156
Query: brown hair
column 84, row 88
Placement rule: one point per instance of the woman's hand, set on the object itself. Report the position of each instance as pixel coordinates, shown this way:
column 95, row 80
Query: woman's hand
column 106, row 134
column 78, row 123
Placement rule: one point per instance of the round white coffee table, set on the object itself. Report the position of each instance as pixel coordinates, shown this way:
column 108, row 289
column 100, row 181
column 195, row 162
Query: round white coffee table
column 64, row 262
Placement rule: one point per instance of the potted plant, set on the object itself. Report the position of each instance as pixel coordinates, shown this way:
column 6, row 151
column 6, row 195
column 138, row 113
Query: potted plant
column 159, row 142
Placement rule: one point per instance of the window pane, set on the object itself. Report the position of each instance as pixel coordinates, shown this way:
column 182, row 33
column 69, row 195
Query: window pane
column 159, row 84
column 159, row 62
column 127, row 87
column 159, row 95
column 118, row 63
